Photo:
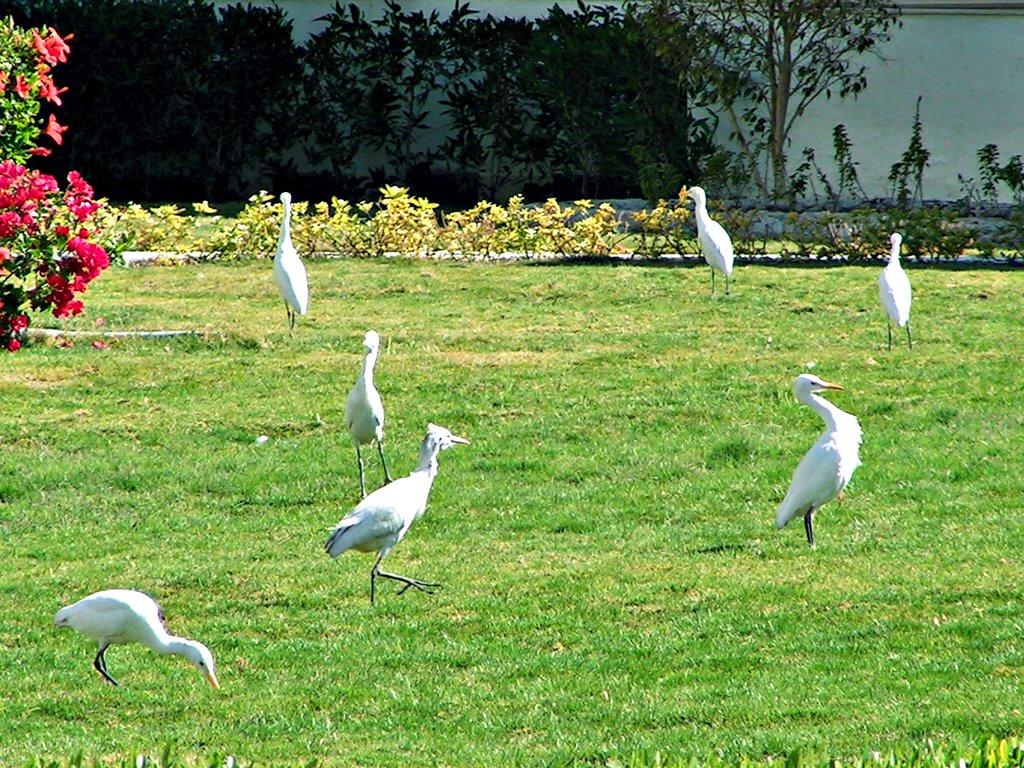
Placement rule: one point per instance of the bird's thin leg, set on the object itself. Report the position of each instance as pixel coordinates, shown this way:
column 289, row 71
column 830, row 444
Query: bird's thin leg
column 422, row 586
column 373, row 582
column 291, row 319
column 100, row 662
column 888, row 327
column 726, row 285
column 910, row 344
column 362, row 481
column 809, row 526
column 712, row 281
column 380, row 450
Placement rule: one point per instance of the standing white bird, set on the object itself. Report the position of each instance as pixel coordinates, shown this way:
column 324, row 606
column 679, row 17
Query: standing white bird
column 715, row 243
column 382, row 519
column 894, row 290
column 364, row 411
column 119, row 616
column 289, row 273
column 826, row 469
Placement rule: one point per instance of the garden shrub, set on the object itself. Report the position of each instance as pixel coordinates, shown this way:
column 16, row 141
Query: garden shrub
column 48, row 248
column 182, row 100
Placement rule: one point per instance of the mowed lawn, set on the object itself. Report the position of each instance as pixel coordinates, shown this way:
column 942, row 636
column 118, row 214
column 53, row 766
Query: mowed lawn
column 613, row 581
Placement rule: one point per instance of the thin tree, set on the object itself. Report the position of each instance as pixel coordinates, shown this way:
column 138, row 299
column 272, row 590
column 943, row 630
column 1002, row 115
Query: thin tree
column 768, row 60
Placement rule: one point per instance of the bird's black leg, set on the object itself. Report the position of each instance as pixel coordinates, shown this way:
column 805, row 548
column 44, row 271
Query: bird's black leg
column 888, row 327
column 100, row 662
column 422, row 586
column 291, row 319
column 373, row 582
column 712, row 281
column 726, row 285
column 910, row 344
column 362, row 481
column 809, row 526
column 380, row 450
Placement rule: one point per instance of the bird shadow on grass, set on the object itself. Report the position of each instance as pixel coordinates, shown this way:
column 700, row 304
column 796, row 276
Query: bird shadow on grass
column 728, row 548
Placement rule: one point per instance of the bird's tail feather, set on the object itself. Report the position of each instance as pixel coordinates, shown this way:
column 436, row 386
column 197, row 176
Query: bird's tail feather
column 334, row 545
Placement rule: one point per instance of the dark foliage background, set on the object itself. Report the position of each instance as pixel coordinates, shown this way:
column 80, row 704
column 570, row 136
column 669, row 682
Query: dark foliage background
column 175, row 100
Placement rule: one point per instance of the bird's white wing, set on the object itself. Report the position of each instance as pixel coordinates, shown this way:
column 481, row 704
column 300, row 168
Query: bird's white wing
column 815, row 481
column 111, row 614
column 717, row 246
column 364, row 413
column 290, row 275
column 387, row 512
column 894, row 291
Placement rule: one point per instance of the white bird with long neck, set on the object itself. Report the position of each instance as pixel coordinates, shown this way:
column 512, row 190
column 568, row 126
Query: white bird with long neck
column 364, row 411
column 827, row 467
column 289, row 272
column 382, row 519
column 715, row 243
column 894, row 290
column 119, row 616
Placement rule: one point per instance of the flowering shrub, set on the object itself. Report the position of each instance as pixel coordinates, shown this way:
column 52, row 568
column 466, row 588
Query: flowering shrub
column 47, row 252
column 27, row 58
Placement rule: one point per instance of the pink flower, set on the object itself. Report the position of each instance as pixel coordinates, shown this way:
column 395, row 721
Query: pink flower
column 41, row 151
column 57, row 46
column 100, row 344
column 21, row 87
column 55, row 130
column 13, row 345
column 48, row 90
column 19, row 323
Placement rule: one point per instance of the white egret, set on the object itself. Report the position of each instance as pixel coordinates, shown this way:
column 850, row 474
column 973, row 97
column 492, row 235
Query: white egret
column 382, row 519
column 827, row 467
column 364, row 411
column 894, row 290
column 289, row 273
column 715, row 243
column 119, row 616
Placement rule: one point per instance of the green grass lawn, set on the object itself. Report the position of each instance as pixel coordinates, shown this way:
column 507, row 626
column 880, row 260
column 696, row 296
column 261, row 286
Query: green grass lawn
column 613, row 582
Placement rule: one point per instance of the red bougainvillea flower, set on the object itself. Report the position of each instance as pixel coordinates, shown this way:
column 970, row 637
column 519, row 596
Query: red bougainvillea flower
column 46, row 244
column 40, row 151
column 21, row 87
column 55, row 130
column 100, row 344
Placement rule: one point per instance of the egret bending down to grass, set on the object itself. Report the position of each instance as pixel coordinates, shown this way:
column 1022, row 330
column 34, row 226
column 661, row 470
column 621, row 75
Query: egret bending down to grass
column 119, row 616
column 826, row 469
column 715, row 243
column 382, row 519
column 894, row 289
column 364, row 411
column 289, row 273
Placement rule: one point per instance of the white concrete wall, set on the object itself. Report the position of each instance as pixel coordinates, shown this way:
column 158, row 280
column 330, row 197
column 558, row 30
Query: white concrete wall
column 967, row 65
column 969, row 71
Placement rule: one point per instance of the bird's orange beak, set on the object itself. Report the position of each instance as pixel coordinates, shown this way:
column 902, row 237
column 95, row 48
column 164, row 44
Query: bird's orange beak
column 829, row 385
column 460, row 440
column 213, row 680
